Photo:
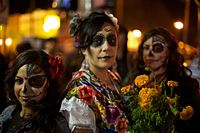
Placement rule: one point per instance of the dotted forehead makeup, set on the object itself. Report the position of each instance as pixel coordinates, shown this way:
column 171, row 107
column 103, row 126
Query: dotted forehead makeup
column 33, row 69
column 107, row 29
column 158, row 38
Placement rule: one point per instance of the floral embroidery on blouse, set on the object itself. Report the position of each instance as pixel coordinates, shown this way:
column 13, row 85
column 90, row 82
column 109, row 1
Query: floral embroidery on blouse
column 106, row 103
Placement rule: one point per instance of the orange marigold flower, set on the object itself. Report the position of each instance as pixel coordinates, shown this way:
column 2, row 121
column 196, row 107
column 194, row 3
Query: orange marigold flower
column 145, row 105
column 145, row 96
column 159, row 88
column 141, row 80
column 170, row 100
column 154, row 92
column 125, row 89
column 172, row 83
column 143, row 91
column 148, row 92
column 186, row 113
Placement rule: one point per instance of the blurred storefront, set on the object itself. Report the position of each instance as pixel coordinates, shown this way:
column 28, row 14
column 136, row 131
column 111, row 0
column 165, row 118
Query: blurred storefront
column 39, row 23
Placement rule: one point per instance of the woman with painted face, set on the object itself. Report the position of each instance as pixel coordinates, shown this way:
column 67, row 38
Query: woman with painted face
column 33, row 85
column 158, row 51
column 93, row 101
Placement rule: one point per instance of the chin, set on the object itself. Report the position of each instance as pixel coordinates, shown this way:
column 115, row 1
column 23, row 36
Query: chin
column 107, row 66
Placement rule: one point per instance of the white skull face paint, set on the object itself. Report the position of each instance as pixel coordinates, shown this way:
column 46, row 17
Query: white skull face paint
column 155, row 52
column 30, row 84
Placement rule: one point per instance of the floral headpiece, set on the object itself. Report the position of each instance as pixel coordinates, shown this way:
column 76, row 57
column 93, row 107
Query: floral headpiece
column 114, row 19
column 56, row 67
column 74, row 24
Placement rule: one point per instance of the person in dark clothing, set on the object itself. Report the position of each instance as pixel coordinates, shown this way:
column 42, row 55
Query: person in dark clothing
column 33, row 86
column 3, row 68
column 158, row 51
column 21, row 47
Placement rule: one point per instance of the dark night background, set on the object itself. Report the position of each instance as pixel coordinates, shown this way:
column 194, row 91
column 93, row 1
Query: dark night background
column 141, row 14
column 23, row 6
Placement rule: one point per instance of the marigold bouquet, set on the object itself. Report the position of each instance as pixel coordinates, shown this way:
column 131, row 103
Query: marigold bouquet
column 152, row 109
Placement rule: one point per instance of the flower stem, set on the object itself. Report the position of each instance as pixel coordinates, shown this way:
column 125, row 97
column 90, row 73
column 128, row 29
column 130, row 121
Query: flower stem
column 171, row 94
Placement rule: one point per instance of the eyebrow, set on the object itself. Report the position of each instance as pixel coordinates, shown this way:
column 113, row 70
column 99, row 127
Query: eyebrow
column 108, row 29
column 32, row 76
column 17, row 76
column 158, row 39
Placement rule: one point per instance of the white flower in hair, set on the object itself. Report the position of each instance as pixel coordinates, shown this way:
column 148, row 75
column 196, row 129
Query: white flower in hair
column 114, row 19
column 74, row 24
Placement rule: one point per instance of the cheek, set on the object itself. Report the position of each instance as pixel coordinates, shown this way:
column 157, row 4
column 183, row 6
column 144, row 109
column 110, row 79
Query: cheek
column 145, row 54
column 92, row 55
column 41, row 90
column 37, row 91
column 162, row 58
column 164, row 55
column 114, row 50
column 17, row 89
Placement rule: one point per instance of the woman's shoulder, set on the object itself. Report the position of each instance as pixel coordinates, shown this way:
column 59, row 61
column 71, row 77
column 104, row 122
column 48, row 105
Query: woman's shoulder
column 188, row 80
column 7, row 112
column 79, row 79
column 6, row 115
column 82, row 77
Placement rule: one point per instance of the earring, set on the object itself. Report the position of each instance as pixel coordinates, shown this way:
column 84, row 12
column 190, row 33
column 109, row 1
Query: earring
column 86, row 64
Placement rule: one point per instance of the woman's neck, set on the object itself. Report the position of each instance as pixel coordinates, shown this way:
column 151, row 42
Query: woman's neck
column 27, row 113
column 158, row 73
column 157, row 76
column 102, row 74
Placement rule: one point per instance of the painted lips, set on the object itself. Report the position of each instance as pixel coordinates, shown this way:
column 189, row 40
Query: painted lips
column 105, row 57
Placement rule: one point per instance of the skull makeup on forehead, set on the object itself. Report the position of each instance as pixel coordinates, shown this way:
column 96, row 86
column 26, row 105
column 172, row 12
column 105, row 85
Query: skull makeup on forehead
column 158, row 44
column 155, row 52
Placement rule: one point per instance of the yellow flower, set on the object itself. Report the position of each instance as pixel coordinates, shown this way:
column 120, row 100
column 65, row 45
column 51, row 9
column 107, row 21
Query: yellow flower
column 101, row 110
column 145, row 96
column 155, row 91
column 186, row 113
column 125, row 89
column 143, row 91
column 148, row 92
column 172, row 83
column 145, row 105
column 141, row 80
column 72, row 91
column 159, row 88
column 170, row 100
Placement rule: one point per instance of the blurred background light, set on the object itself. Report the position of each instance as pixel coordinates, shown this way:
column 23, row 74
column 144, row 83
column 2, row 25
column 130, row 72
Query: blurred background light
column 51, row 23
column 134, row 38
column 178, row 25
column 8, row 41
column 1, row 42
column 137, row 33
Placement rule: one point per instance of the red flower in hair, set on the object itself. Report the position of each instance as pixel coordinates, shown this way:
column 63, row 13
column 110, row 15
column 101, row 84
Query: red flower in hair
column 56, row 67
